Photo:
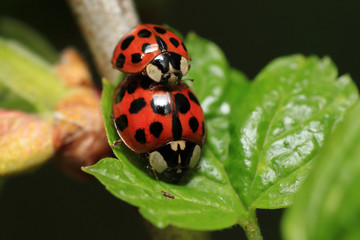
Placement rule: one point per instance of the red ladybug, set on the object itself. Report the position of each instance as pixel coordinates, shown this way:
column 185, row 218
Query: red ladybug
column 165, row 124
column 154, row 51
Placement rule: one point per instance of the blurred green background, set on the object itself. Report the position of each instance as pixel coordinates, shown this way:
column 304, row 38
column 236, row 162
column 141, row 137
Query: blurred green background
column 48, row 205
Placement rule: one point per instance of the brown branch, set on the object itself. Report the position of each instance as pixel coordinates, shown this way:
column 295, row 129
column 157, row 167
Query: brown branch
column 103, row 23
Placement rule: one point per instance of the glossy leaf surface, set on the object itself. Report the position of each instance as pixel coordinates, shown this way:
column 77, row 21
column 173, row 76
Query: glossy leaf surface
column 291, row 108
column 328, row 207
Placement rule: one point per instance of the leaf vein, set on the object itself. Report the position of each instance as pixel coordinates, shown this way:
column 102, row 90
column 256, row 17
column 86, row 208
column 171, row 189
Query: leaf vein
column 299, row 125
column 281, row 102
column 280, row 179
column 228, row 180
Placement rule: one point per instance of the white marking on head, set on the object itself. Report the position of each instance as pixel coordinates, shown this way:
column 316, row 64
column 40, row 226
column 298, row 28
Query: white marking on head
column 179, row 170
column 195, row 156
column 153, row 72
column 182, row 145
column 171, row 68
column 179, row 159
column 173, row 79
column 184, row 66
column 157, row 162
column 174, row 146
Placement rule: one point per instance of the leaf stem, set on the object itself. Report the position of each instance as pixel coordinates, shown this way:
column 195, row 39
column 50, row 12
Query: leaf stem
column 252, row 229
column 103, row 23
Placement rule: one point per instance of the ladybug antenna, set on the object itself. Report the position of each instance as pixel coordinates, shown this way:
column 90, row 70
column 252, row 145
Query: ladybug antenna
column 152, row 172
column 188, row 79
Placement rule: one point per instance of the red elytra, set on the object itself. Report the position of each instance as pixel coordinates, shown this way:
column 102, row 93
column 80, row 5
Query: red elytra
column 147, row 115
column 139, row 47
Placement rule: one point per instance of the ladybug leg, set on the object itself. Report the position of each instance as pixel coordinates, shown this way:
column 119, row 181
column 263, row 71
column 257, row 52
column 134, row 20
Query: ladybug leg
column 156, row 176
column 116, row 143
column 143, row 155
column 196, row 168
column 152, row 87
column 152, row 172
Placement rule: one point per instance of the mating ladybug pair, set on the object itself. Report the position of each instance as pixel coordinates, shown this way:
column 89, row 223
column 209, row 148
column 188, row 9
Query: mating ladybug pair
column 155, row 114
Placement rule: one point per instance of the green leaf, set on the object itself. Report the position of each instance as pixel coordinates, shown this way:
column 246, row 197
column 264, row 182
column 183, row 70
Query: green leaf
column 252, row 128
column 290, row 109
column 328, row 206
column 9, row 100
column 27, row 79
column 210, row 70
column 18, row 31
column 136, row 187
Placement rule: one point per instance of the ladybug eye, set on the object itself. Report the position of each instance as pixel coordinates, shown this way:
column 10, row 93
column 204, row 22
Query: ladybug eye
column 157, row 162
column 195, row 156
column 154, row 72
column 184, row 66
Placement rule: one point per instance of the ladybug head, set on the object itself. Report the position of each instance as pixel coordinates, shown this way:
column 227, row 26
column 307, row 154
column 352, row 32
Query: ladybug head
column 174, row 159
column 167, row 68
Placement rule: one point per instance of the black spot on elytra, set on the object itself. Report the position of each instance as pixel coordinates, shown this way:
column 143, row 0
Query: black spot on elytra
column 160, row 105
column 174, row 42
column 193, row 98
column 140, row 136
column 136, row 58
column 119, row 97
column 156, row 128
column 203, row 128
column 126, row 42
column 161, row 43
column 194, row 124
column 120, row 60
column 160, row 30
column 137, row 105
column 176, row 127
column 131, row 87
column 144, row 33
column 182, row 103
column 121, row 122
column 146, row 48
column 145, row 83
column 184, row 46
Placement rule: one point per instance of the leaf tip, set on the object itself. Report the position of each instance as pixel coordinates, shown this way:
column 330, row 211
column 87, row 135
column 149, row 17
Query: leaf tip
column 85, row 169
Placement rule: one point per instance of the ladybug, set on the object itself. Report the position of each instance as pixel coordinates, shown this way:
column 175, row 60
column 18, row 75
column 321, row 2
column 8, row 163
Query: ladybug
column 164, row 124
column 153, row 51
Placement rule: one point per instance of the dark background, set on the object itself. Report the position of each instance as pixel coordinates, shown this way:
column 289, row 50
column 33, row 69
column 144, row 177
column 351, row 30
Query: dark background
column 48, row 205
